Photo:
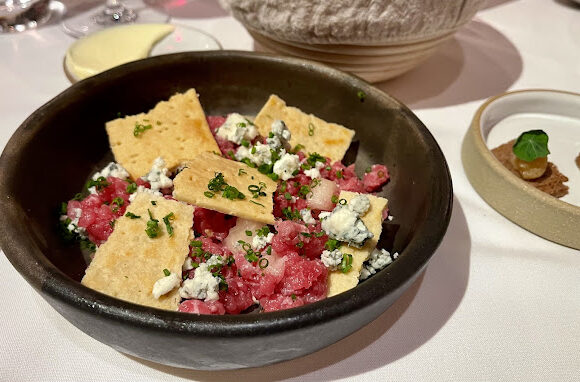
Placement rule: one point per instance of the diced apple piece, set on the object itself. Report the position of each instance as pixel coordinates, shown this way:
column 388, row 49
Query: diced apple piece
column 238, row 232
column 321, row 196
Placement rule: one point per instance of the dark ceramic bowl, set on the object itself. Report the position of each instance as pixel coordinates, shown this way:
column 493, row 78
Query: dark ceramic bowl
column 51, row 155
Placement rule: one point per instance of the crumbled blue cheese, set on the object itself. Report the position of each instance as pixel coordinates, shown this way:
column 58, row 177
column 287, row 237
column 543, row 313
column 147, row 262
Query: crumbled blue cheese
column 344, row 224
column 280, row 137
column 141, row 189
column 112, row 169
column 360, row 204
column 237, row 128
column 187, row 264
column 260, row 242
column 286, row 166
column 73, row 225
column 331, row 259
column 165, row 285
column 378, row 259
column 306, row 215
column 157, row 177
column 203, row 286
column 314, row 172
column 258, row 154
column 214, row 260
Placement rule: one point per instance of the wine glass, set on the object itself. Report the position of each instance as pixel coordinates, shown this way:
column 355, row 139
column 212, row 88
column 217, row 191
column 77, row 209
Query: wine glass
column 114, row 12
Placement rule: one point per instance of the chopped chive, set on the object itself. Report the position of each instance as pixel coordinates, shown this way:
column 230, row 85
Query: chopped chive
column 166, row 272
column 263, row 263
column 248, row 233
column 166, row 220
column 260, row 204
column 132, row 215
column 311, row 129
column 208, row 194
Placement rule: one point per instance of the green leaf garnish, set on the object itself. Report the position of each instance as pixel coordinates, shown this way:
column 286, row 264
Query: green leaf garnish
column 531, row 145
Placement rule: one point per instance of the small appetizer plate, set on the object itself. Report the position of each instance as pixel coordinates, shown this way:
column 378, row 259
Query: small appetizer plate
column 118, row 45
column 503, row 118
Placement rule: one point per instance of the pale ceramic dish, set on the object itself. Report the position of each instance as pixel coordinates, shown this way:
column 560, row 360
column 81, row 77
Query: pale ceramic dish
column 374, row 40
column 503, row 118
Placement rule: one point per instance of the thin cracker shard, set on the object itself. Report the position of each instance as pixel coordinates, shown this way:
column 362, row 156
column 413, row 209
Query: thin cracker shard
column 191, row 186
column 316, row 135
column 129, row 263
column 339, row 282
column 175, row 130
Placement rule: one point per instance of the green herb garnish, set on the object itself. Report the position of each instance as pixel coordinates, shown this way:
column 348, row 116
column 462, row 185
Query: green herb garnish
column 195, row 243
column 361, row 95
column 166, row 272
column 259, row 204
column 332, row 244
column 140, row 128
column 263, row 263
column 99, row 183
column 131, row 188
column 232, row 193
column 167, row 220
column 152, row 229
column 311, row 129
column 248, row 233
column 131, row 215
column 264, row 231
column 531, row 145
column 346, row 263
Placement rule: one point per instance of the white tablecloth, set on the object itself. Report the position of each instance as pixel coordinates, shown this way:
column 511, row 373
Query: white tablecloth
column 495, row 303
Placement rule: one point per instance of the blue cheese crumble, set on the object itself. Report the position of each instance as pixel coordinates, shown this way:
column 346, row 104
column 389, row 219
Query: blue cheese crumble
column 378, row 259
column 260, row 242
column 344, row 222
column 112, row 169
column 237, row 128
column 258, row 154
column 280, row 136
column 314, row 172
column 165, row 285
column 157, row 176
column 306, row 215
column 286, row 166
column 203, row 286
column 331, row 259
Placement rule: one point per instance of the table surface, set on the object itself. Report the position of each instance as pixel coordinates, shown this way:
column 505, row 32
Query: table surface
column 495, row 303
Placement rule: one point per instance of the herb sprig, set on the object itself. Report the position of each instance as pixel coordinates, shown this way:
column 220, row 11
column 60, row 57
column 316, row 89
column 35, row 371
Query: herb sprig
column 531, row 145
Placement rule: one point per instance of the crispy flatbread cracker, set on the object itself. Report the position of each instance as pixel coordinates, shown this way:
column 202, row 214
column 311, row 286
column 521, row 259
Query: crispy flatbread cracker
column 129, row 263
column 339, row 282
column 175, row 130
column 190, row 185
column 328, row 139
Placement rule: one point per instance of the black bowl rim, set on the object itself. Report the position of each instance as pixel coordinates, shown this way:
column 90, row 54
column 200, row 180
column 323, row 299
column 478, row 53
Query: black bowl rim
column 45, row 277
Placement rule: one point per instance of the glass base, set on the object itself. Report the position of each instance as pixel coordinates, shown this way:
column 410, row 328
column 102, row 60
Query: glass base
column 31, row 16
column 132, row 11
